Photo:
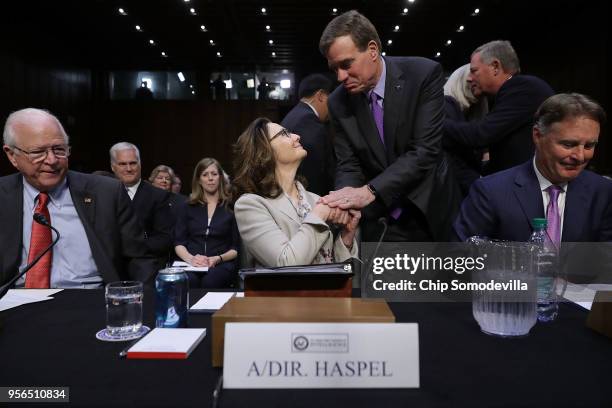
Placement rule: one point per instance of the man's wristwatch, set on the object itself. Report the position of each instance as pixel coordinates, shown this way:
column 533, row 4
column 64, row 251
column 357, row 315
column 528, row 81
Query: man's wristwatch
column 371, row 189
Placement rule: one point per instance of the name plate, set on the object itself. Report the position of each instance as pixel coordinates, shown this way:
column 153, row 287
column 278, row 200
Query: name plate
column 321, row 355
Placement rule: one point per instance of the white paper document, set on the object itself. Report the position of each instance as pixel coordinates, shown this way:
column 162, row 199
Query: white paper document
column 212, row 301
column 167, row 343
column 583, row 295
column 18, row 297
column 189, row 268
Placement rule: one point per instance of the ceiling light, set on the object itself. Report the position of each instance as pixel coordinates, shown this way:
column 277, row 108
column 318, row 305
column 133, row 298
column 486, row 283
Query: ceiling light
column 285, row 83
column 405, row 11
column 193, row 92
column 271, row 42
column 212, row 42
column 267, row 28
column 186, row 1
column 396, row 28
column 181, row 77
column 449, row 42
column 438, row 54
column 122, row 12
column 263, row 10
column 218, row 54
column 163, row 54
column 203, row 28
column 410, row 1
column 192, row 11
column 476, row 12
column 389, row 42
column 151, row 42
column 384, row 54
column 461, row 28
column 334, row 10
column 273, row 54
column 138, row 28
column 191, row 86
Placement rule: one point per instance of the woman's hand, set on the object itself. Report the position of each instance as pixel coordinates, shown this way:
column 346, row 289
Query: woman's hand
column 338, row 216
column 199, row 260
column 348, row 232
column 322, row 211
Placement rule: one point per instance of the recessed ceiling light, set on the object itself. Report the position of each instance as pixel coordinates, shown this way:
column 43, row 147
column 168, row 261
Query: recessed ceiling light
column 138, row 28
column 122, row 12
column 405, row 11
column 186, row 1
column 212, row 42
column 273, row 54
column 263, row 10
column 389, row 42
column 271, row 42
column 203, row 28
column 410, row 1
column 476, row 12
column 193, row 92
column 191, row 86
column 461, row 28
column 267, row 28
column 438, row 54
column 192, row 11
column 449, row 42
column 163, row 54
column 396, row 28
column 151, row 42
column 218, row 54
column 334, row 10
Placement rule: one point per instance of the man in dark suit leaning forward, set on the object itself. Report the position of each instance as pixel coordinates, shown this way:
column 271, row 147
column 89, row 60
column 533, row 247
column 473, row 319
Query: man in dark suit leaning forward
column 308, row 119
column 387, row 117
column 101, row 240
column 554, row 184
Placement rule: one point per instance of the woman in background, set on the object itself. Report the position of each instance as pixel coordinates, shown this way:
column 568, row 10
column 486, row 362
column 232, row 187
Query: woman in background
column 206, row 233
column 279, row 221
column 161, row 177
column 462, row 103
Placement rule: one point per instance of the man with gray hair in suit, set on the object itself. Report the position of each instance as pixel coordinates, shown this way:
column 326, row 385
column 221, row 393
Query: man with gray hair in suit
column 100, row 241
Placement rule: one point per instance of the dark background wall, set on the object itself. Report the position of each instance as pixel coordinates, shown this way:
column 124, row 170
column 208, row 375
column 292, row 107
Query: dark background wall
column 564, row 43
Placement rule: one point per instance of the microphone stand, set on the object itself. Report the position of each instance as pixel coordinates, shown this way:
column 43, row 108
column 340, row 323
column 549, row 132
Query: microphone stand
column 383, row 221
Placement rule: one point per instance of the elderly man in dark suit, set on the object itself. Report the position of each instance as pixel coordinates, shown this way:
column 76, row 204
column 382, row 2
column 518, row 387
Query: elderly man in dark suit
column 553, row 184
column 101, row 240
column 387, row 117
column 151, row 204
column 506, row 129
column 308, row 120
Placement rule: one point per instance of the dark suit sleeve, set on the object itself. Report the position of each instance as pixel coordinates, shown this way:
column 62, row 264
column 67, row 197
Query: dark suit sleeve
column 421, row 158
column 160, row 238
column 348, row 167
column 132, row 239
column 235, row 235
column 180, row 228
column 514, row 108
column 477, row 216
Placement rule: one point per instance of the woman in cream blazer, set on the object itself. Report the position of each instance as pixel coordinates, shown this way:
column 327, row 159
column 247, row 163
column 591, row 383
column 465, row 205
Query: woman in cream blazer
column 279, row 221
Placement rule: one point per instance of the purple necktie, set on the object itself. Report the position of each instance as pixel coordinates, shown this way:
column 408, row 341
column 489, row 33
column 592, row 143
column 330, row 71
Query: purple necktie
column 552, row 215
column 377, row 112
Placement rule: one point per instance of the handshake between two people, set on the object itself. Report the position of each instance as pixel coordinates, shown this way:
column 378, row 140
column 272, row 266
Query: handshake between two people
column 343, row 207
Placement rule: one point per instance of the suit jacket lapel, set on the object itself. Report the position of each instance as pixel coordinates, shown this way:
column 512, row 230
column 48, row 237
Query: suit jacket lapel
column 285, row 206
column 393, row 105
column 84, row 200
column 527, row 191
column 574, row 216
column 366, row 123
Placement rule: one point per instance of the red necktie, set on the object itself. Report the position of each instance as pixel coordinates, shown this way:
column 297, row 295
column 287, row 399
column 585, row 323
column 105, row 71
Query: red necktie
column 39, row 276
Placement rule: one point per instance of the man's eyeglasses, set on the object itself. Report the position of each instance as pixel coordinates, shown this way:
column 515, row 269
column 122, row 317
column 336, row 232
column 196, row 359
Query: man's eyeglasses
column 283, row 132
column 38, row 155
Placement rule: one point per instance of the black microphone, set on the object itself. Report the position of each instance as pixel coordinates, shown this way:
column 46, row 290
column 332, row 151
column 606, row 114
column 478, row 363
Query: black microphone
column 42, row 220
column 383, row 221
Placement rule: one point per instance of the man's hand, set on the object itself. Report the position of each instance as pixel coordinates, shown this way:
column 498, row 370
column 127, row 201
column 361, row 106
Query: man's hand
column 349, row 197
column 199, row 260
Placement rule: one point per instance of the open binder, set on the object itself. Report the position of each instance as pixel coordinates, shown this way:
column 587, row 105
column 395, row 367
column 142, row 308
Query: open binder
column 321, row 280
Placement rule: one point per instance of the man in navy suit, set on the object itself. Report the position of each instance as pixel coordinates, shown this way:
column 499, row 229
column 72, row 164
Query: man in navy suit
column 387, row 116
column 151, row 205
column 565, row 134
column 308, row 119
column 506, row 129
